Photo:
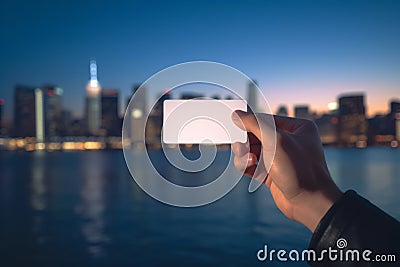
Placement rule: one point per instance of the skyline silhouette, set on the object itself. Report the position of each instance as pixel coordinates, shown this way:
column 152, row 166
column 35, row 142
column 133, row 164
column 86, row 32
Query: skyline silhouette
column 8, row 105
column 40, row 116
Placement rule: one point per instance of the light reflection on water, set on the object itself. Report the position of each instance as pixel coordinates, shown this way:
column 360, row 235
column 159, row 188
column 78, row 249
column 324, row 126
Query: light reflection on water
column 91, row 205
column 38, row 200
column 60, row 209
column 373, row 173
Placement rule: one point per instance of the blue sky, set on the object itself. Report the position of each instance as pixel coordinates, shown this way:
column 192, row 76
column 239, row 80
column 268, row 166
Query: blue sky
column 299, row 51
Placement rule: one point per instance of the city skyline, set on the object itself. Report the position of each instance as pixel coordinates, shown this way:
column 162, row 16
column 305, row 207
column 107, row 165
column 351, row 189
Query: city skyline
column 94, row 89
column 41, row 122
column 79, row 111
column 122, row 104
column 306, row 52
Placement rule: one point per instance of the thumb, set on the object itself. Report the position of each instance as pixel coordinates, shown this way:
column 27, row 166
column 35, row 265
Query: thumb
column 263, row 127
column 260, row 124
column 247, row 122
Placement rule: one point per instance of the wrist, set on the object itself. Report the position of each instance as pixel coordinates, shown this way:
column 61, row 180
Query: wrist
column 312, row 206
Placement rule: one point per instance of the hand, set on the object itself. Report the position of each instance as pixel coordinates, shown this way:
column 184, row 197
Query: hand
column 298, row 179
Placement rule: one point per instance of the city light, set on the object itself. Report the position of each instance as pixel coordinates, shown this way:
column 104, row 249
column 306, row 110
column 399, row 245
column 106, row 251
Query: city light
column 42, row 123
column 137, row 113
column 39, row 115
column 332, row 106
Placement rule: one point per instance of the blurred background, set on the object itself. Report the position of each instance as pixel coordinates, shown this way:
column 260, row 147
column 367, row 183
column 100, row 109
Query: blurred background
column 69, row 69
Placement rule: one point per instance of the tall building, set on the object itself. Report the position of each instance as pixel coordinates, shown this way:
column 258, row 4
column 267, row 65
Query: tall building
column 352, row 127
column 52, row 108
column 135, row 88
column 395, row 118
column 282, row 111
column 302, row 112
column 327, row 128
column 252, row 97
column 24, row 111
column 155, row 121
column 1, row 116
column 136, row 115
column 66, row 120
column 39, row 116
column 382, row 128
column 38, row 112
column 110, row 121
column 93, row 102
column 394, row 107
column 397, row 127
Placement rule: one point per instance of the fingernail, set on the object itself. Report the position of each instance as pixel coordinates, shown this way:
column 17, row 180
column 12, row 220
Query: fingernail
column 235, row 116
column 251, row 160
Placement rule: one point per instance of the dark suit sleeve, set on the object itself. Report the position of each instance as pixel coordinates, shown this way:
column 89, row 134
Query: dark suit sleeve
column 354, row 223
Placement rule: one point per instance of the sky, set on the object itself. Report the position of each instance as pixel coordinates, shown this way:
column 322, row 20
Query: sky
column 300, row 52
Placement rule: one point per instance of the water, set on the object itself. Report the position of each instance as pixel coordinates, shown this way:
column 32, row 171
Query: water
column 83, row 208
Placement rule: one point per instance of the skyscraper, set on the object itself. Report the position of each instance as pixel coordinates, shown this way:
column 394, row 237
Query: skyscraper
column 282, row 111
column 252, row 97
column 327, row 128
column 1, row 116
column 24, row 111
column 352, row 128
column 302, row 112
column 37, row 112
column 93, row 101
column 397, row 126
column 110, row 121
column 155, row 121
column 52, row 108
column 39, row 116
column 136, row 114
column 394, row 107
column 394, row 117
